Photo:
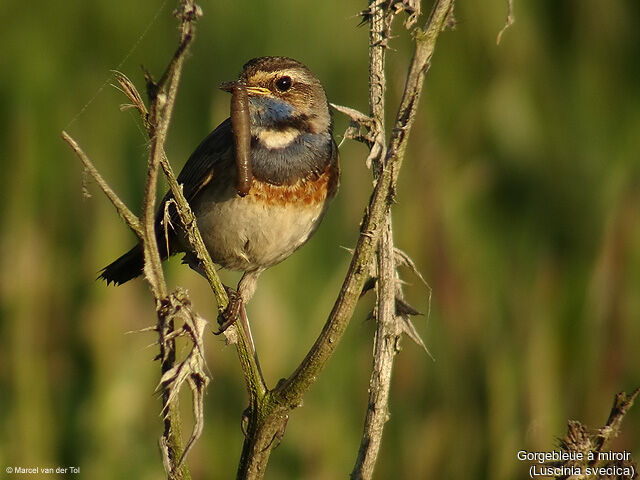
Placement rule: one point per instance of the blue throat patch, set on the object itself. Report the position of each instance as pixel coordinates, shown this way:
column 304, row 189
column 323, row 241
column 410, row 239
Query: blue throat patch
column 306, row 155
column 270, row 112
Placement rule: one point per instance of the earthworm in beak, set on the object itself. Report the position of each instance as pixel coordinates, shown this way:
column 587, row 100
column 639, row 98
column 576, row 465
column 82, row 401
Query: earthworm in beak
column 241, row 128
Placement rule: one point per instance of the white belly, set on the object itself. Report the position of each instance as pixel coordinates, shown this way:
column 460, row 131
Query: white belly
column 242, row 233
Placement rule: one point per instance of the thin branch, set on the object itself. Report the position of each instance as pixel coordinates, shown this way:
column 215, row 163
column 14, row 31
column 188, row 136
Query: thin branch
column 191, row 369
column 176, row 306
column 183, row 209
column 161, row 109
column 249, row 363
column 256, row 387
column 440, row 17
column 380, row 382
column 379, row 32
column 292, row 390
column 168, row 307
column 621, row 405
column 391, row 324
column 386, row 345
column 594, row 446
column 510, row 21
column 298, row 383
column 251, row 370
column 127, row 215
column 194, row 237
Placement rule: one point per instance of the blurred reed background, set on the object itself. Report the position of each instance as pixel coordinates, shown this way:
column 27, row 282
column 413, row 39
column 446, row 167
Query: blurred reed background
column 518, row 200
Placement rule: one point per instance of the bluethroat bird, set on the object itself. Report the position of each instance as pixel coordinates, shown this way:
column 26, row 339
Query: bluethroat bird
column 294, row 175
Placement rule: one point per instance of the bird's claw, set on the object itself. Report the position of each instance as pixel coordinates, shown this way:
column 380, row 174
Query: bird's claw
column 230, row 314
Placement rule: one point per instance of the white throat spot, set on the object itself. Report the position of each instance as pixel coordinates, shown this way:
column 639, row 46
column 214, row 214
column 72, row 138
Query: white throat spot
column 275, row 139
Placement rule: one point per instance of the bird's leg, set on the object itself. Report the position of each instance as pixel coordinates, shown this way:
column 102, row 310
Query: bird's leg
column 238, row 299
column 244, row 323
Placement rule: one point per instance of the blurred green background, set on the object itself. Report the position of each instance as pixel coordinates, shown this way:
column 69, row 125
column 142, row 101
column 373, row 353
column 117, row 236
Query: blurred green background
column 518, row 201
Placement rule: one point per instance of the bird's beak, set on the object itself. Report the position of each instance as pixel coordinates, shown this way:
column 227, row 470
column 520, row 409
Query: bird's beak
column 251, row 91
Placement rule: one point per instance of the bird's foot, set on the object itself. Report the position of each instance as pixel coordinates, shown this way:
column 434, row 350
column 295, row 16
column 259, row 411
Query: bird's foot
column 230, row 314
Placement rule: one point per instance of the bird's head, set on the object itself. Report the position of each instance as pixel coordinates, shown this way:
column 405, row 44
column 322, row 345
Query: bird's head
column 283, row 95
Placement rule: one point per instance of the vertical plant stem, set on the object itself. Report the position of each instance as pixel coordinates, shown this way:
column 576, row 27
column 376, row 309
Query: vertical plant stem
column 384, row 350
column 378, row 30
column 171, row 440
column 161, row 110
column 379, row 384
column 388, row 333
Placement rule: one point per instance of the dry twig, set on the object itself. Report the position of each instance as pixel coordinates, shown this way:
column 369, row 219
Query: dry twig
column 391, row 321
column 510, row 21
column 594, row 461
column 174, row 306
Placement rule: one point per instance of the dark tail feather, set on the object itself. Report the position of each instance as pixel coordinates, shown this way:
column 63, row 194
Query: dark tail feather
column 125, row 268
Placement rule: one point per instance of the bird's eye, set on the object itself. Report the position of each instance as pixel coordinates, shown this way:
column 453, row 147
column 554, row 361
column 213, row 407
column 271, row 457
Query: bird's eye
column 283, row 83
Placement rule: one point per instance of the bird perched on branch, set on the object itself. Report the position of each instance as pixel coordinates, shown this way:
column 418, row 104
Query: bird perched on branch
column 294, row 174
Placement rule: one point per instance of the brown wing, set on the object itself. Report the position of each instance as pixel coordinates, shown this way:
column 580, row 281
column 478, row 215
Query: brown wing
column 210, row 154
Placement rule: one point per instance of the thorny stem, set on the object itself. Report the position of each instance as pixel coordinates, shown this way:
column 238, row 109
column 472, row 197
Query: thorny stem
column 132, row 221
column 248, row 362
column 386, row 345
column 162, row 104
column 194, row 236
column 379, row 385
column 379, row 27
column 161, row 108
